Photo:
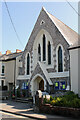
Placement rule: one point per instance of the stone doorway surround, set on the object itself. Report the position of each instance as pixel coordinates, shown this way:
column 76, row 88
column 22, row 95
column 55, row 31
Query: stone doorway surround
column 38, row 82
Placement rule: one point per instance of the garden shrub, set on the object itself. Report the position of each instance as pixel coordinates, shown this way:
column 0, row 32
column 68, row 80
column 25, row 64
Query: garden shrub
column 45, row 101
column 68, row 100
column 24, row 93
column 18, row 93
column 51, row 98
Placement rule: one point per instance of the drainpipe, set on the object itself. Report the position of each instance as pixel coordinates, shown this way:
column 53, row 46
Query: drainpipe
column 69, row 81
column 69, row 73
column 14, row 74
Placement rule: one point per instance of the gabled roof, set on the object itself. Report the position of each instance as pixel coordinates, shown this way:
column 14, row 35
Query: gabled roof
column 70, row 35
column 45, row 72
column 10, row 56
column 41, row 67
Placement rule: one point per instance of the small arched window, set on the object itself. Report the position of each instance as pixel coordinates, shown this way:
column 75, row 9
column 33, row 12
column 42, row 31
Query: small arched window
column 28, row 64
column 44, row 48
column 60, row 60
column 39, row 52
column 49, row 53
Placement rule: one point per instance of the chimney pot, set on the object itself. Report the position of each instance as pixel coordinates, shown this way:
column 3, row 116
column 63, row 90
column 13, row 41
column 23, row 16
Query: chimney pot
column 0, row 53
column 17, row 50
column 8, row 52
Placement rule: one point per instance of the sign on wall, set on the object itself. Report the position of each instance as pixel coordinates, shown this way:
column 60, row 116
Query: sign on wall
column 60, row 85
column 25, row 85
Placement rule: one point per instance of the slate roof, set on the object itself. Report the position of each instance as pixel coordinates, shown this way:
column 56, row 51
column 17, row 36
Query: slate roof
column 10, row 56
column 70, row 35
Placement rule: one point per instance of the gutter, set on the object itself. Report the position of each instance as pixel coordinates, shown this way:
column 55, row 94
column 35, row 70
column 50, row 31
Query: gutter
column 75, row 47
column 8, row 60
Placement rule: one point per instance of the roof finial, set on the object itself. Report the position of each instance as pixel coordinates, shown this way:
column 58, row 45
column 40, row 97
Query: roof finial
column 43, row 8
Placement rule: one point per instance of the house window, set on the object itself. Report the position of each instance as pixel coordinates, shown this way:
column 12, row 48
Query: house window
column 60, row 61
column 3, row 69
column 39, row 52
column 28, row 64
column 49, row 53
column 44, row 48
column 2, row 83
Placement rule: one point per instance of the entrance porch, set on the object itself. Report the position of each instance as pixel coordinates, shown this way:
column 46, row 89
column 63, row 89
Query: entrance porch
column 38, row 83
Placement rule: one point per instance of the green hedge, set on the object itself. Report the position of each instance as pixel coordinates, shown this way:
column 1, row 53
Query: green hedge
column 68, row 100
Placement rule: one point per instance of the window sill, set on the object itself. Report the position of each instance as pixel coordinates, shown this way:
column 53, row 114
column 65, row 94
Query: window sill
column 50, row 66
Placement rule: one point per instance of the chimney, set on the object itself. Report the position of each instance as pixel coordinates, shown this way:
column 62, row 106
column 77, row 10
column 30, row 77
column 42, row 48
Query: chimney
column 17, row 51
column 8, row 52
column 0, row 53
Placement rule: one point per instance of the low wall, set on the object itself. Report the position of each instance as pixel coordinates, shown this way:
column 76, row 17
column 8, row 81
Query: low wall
column 65, row 111
column 3, row 94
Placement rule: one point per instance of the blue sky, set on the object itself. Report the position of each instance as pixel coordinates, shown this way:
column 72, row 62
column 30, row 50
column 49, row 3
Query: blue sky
column 24, row 16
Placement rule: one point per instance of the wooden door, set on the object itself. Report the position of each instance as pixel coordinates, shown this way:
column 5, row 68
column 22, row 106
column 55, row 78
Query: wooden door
column 41, row 85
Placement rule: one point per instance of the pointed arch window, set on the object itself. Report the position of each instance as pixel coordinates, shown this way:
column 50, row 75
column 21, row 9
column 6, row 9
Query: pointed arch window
column 39, row 52
column 28, row 64
column 44, row 48
column 60, row 60
column 49, row 53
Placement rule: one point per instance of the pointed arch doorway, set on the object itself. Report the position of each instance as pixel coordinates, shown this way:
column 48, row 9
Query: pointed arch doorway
column 38, row 83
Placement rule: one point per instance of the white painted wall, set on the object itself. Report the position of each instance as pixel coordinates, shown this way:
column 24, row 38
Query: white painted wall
column 0, row 68
column 18, row 64
column 79, row 72
column 74, row 70
column 0, row 71
column 9, row 72
column 2, row 77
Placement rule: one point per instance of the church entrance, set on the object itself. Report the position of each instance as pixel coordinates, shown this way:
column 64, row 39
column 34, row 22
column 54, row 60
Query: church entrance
column 41, row 85
column 37, row 84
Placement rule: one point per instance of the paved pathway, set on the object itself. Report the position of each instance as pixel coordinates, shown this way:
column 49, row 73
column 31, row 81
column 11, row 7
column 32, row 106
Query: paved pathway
column 26, row 110
column 9, row 115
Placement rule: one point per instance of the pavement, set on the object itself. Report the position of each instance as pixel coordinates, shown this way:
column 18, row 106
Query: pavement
column 26, row 110
column 5, row 115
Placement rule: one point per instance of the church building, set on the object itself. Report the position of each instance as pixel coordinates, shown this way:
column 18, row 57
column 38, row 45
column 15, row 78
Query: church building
column 45, row 59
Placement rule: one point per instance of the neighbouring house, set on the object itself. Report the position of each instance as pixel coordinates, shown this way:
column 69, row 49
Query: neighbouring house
column 45, row 60
column 9, row 64
column 75, row 66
